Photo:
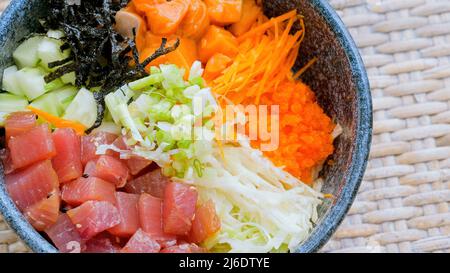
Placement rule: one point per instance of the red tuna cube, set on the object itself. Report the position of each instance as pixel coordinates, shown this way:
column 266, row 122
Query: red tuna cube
column 67, row 162
column 153, row 183
column 179, row 208
column 19, row 122
column 44, row 213
column 31, row 185
column 205, row 224
column 88, row 189
column 32, row 146
column 93, row 217
column 90, row 143
column 101, row 244
column 127, row 204
column 65, row 235
column 150, row 217
column 141, row 242
column 110, row 169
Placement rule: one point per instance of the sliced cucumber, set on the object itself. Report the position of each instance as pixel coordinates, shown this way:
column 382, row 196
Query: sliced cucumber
column 31, row 82
column 50, row 51
column 9, row 81
column 83, row 108
column 65, row 95
column 12, row 103
column 69, row 78
column 26, row 54
column 48, row 103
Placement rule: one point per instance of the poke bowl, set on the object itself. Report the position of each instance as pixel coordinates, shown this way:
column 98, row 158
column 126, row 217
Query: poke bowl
column 326, row 63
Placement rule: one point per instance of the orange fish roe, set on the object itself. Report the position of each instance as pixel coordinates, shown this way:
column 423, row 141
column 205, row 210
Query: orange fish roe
column 261, row 74
column 305, row 130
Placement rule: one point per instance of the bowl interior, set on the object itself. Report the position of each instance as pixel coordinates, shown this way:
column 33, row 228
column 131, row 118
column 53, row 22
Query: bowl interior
column 338, row 79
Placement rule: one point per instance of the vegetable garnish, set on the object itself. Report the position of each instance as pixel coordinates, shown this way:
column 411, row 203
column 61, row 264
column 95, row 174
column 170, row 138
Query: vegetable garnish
column 263, row 62
column 57, row 121
column 99, row 53
column 261, row 74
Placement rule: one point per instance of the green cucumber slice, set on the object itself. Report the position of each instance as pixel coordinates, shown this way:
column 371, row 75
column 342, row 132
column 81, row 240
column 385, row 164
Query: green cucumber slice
column 26, row 54
column 83, row 108
column 12, row 103
column 9, row 81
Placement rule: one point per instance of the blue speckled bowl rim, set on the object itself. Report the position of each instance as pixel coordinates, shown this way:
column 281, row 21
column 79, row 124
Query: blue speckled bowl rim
column 321, row 234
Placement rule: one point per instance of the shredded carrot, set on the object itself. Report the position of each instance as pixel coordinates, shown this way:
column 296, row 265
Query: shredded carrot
column 262, row 74
column 58, row 122
column 303, row 69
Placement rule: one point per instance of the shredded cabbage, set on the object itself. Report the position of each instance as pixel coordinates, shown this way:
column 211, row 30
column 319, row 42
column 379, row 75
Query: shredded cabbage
column 262, row 208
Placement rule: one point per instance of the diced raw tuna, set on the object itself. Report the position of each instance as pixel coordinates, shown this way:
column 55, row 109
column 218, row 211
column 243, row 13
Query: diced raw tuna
column 65, row 235
column 67, row 162
column 93, row 217
column 19, row 122
column 90, row 143
column 127, row 204
column 44, row 213
column 184, row 248
column 88, row 189
column 150, row 214
column 32, row 146
column 179, row 208
column 152, row 183
column 110, row 169
column 8, row 166
column 141, row 242
column 135, row 164
column 205, row 223
column 31, row 185
column 101, row 244
column 150, row 218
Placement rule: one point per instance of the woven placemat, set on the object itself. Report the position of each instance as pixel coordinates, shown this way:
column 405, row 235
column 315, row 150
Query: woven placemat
column 403, row 202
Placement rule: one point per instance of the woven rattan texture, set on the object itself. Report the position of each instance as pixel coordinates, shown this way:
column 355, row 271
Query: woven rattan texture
column 403, row 203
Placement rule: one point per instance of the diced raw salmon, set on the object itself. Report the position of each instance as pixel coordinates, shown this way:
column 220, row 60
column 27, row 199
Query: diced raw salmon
column 29, row 186
column 196, row 20
column 127, row 204
column 92, row 188
column 153, row 183
column 205, row 223
column 67, row 162
column 32, row 146
column 44, row 213
column 90, row 143
column 110, row 169
column 178, row 208
column 184, row 248
column 65, row 235
column 141, row 242
column 93, row 217
column 19, row 122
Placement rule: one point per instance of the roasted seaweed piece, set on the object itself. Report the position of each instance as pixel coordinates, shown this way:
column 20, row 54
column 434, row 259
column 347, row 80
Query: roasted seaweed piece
column 100, row 55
